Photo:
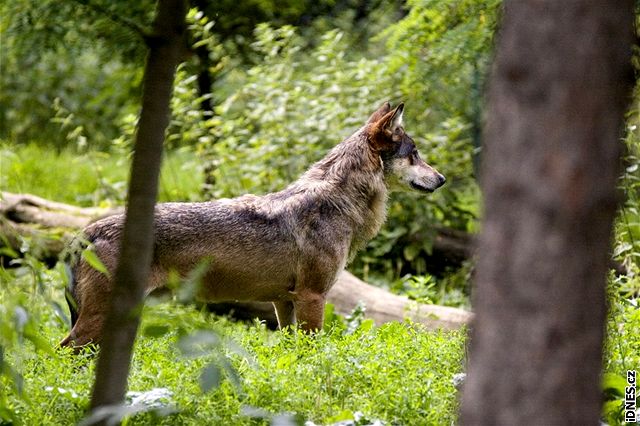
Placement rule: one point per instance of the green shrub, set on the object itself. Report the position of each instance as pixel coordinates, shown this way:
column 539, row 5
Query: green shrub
column 295, row 104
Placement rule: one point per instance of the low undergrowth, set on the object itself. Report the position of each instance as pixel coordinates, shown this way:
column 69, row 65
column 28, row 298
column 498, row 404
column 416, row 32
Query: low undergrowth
column 205, row 369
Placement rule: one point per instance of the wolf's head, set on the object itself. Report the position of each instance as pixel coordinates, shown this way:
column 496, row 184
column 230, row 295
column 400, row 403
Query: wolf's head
column 403, row 167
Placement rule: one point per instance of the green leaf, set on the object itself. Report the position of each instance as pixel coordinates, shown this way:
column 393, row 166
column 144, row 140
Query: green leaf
column 156, row 330
column 60, row 313
column 411, row 251
column 622, row 248
column 198, row 343
column 7, row 249
column 613, row 384
column 210, row 378
column 188, row 289
column 331, row 317
column 94, row 261
column 15, row 378
column 341, row 416
column 612, row 411
column 286, row 360
column 232, row 373
column 366, row 325
column 40, row 343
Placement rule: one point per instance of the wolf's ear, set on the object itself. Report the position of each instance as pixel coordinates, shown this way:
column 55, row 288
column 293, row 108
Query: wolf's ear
column 394, row 120
column 381, row 131
column 381, row 112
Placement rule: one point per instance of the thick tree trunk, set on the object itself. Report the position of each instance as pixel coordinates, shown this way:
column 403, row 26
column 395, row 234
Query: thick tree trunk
column 556, row 102
column 166, row 48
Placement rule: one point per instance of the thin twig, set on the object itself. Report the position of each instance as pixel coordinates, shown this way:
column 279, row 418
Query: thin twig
column 129, row 23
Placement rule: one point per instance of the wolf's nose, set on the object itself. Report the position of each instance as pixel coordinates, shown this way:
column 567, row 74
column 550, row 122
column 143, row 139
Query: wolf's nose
column 441, row 180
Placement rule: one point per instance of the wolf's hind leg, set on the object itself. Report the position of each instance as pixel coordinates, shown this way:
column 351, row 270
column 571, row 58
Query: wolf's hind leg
column 285, row 313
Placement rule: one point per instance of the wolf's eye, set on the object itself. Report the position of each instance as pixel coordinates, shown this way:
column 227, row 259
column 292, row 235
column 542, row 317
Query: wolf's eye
column 414, row 157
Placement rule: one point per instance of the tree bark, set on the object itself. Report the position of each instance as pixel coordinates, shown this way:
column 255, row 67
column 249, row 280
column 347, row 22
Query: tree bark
column 560, row 86
column 166, row 46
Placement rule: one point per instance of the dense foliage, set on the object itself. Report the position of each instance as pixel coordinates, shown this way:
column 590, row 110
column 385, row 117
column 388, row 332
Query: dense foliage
column 280, row 99
column 287, row 81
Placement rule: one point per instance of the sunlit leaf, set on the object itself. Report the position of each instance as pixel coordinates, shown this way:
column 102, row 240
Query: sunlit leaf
column 613, row 384
column 94, row 261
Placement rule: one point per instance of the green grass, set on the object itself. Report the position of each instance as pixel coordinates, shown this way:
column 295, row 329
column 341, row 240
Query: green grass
column 398, row 373
column 91, row 178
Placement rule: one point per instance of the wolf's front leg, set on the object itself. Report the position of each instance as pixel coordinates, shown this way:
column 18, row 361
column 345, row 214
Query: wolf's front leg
column 284, row 313
column 309, row 310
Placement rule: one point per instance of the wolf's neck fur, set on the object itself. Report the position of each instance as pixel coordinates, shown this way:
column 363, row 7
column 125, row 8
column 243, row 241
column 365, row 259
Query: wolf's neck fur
column 350, row 180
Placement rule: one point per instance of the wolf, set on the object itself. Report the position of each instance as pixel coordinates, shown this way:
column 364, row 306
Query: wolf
column 286, row 247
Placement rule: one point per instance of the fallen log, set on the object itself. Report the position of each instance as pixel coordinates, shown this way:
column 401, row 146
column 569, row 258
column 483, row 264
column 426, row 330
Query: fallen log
column 31, row 209
column 46, row 225
column 383, row 306
column 31, row 217
column 17, row 238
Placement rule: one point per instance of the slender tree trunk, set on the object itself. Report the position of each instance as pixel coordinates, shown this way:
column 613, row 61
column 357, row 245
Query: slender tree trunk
column 558, row 93
column 205, row 82
column 166, row 46
column 205, row 79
